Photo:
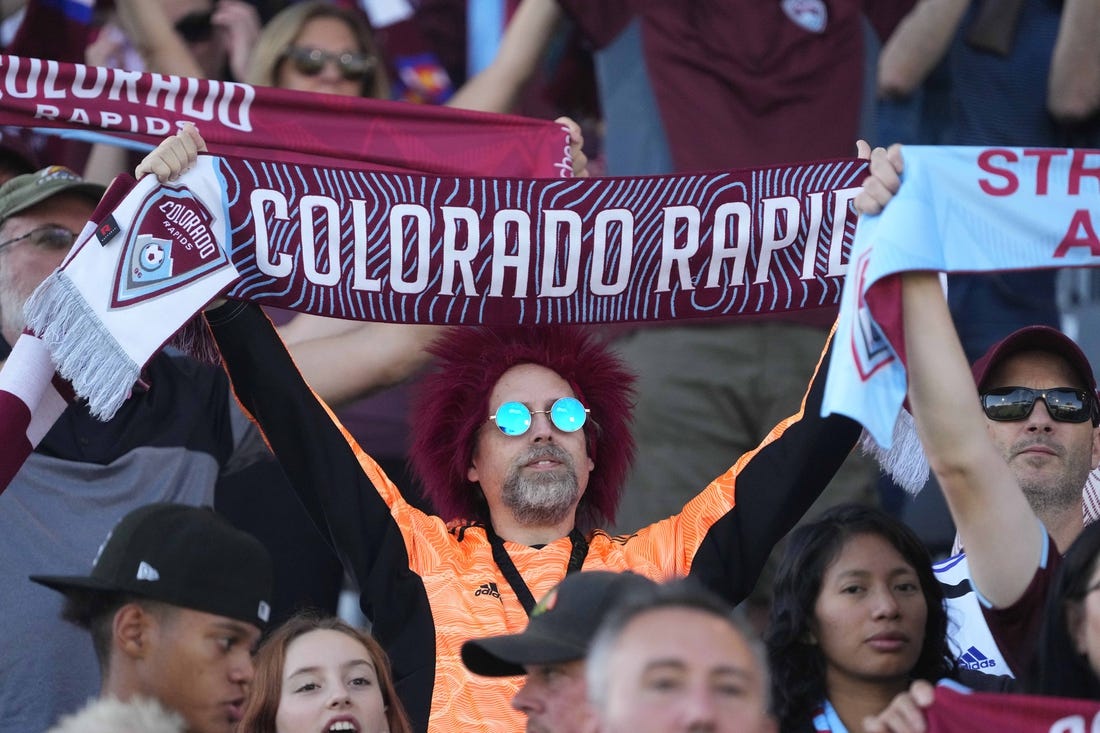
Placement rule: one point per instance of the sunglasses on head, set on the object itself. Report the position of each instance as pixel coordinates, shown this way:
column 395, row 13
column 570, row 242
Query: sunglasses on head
column 195, row 27
column 1065, row 404
column 46, row 237
column 311, row 61
column 567, row 414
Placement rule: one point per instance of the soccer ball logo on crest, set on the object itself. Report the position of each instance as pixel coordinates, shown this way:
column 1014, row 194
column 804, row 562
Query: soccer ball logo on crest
column 151, row 259
column 152, row 255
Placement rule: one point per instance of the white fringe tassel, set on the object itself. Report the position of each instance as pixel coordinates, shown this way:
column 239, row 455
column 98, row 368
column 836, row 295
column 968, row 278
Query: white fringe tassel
column 905, row 461
column 84, row 350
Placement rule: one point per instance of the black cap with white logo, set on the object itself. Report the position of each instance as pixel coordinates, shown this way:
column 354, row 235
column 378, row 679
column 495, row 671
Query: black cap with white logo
column 561, row 625
column 181, row 555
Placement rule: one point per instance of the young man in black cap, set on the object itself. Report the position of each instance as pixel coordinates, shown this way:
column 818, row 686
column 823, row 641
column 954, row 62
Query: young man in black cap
column 551, row 651
column 175, row 440
column 176, row 601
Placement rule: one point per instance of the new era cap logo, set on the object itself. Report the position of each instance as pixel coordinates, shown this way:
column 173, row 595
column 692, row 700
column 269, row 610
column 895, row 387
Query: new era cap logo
column 264, row 611
column 147, row 572
column 811, row 15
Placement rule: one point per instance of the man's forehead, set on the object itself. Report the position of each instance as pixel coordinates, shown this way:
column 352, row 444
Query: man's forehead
column 68, row 204
column 533, row 380
column 665, row 637
column 1032, row 364
column 209, row 622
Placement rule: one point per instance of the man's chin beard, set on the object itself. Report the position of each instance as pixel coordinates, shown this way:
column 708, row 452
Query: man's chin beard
column 535, row 503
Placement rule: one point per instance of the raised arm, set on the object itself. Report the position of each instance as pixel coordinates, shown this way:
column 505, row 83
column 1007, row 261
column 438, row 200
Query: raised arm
column 1003, row 538
column 1002, row 535
column 497, row 87
column 162, row 48
column 917, row 45
column 1073, row 92
column 774, row 486
column 372, row 355
column 343, row 502
column 328, row 476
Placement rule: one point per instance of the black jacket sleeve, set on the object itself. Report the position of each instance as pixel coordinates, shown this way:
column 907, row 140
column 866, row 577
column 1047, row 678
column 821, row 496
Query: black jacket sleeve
column 773, row 491
column 326, row 476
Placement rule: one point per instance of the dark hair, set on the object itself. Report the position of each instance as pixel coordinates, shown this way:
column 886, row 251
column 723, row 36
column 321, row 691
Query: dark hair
column 95, row 611
column 453, row 404
column 267, row 686
column 1058, row 669
column 797, row 665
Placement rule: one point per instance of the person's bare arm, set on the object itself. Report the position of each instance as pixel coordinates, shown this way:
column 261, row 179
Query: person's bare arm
column 917, row 45
column 105, row 161
column 497, row 87
column 1073, row 92
column 342, row 365
column 1002, row 535
column 240, row 25
column 162, row 48
column 1000, row 531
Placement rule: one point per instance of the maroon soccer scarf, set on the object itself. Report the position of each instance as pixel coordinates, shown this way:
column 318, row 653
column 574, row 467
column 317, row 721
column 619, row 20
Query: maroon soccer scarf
column 418, row 249
column 271, row 124
column 959, row 712
column 352, row 242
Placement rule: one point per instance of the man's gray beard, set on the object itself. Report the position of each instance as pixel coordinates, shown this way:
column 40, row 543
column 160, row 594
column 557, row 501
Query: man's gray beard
column 1058, row 494
column 11, row 310
column 543, row 497
column 1046, row 500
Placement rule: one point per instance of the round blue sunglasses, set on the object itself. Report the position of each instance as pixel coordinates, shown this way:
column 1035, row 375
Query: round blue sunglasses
column 567, row 414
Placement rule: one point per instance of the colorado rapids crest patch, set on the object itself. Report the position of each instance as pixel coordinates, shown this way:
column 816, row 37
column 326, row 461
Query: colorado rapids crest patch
column 171, row 243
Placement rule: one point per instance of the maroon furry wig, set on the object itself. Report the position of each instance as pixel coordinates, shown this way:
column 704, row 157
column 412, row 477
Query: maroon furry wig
column 453, row 403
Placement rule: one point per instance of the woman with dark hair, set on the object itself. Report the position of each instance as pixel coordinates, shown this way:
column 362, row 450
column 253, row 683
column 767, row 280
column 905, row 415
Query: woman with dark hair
column 1066, row 662
column 316, row 671
column 857, row 616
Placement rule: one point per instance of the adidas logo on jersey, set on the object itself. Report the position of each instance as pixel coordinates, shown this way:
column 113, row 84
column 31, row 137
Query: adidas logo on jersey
column 974, row 659
column 487, row 589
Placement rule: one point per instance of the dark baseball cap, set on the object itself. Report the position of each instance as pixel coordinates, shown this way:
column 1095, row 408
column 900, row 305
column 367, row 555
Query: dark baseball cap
column 1035, row 338
column 184, row 556
column 561, row 627
column 22, row 192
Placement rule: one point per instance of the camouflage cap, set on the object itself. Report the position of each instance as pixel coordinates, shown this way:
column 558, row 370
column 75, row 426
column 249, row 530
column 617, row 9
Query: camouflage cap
column 23, row 192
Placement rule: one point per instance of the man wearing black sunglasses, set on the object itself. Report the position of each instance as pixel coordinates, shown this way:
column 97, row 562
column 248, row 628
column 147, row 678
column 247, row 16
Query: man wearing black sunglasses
column 1012, row 441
